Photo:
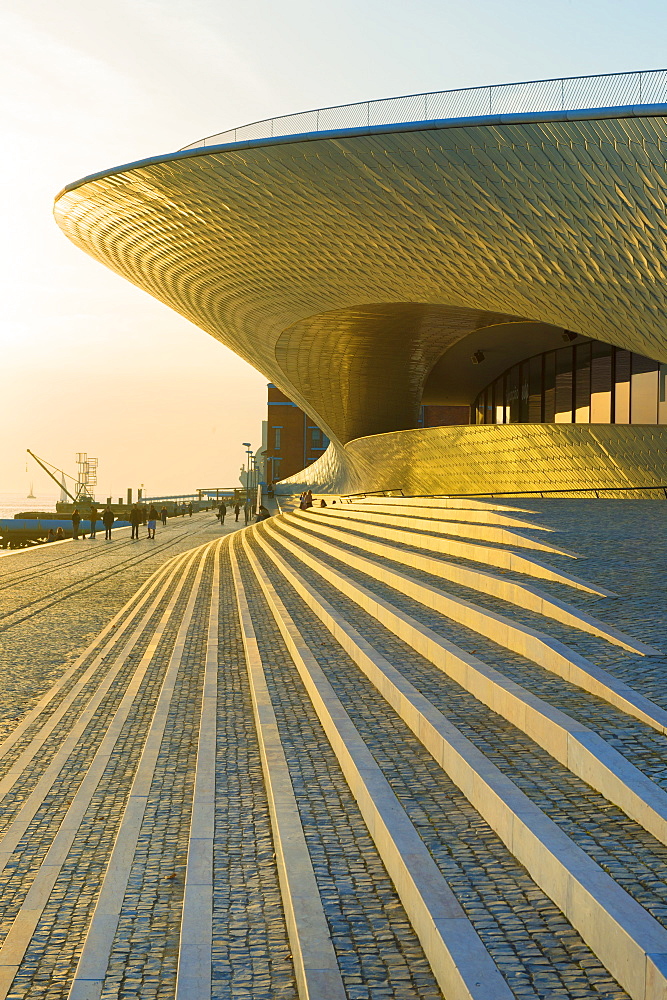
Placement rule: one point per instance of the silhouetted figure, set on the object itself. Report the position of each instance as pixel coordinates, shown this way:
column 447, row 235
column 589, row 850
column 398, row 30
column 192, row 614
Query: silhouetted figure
column 163, row 516
column 262, row 514
column 135, row 520
column 190, row 508
column 222, row 512
column 107, row 520
column 76, row 521
column 152, row 521
column 237, row 510
column 93, row 521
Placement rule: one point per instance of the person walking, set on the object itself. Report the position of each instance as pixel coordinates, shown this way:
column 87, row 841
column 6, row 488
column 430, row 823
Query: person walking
column 190, row 508
column 152, row 521
column 237, row 510
column 163, row 516
column 76, row 521
column 93, row 521
column 107, row 521
column 222, row 512
column 135, row 520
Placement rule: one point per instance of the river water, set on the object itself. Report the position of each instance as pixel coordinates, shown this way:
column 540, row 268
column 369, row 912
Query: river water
column 16, row 503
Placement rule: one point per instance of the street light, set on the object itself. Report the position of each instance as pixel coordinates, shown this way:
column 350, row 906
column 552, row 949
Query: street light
column 247, row 446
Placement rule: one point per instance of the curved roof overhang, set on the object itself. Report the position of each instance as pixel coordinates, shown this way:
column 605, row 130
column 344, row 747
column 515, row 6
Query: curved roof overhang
column 345, row 266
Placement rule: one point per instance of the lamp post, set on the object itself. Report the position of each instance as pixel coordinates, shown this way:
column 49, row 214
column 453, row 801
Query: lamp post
column 246, row 445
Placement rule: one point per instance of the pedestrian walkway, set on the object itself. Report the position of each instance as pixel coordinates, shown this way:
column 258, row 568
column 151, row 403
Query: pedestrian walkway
column 396, row 750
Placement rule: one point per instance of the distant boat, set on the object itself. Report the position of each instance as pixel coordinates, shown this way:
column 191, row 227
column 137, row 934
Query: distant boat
column 31, row 495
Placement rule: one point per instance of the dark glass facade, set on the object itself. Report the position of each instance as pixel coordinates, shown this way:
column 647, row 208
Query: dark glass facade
column 588, row 383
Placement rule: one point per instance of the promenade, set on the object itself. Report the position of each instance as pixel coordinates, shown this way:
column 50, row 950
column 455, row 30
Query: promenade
column 381, row 751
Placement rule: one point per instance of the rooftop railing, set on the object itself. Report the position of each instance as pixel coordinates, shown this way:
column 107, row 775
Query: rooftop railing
column 608, row 90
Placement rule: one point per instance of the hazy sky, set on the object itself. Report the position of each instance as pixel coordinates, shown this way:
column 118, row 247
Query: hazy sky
column 90, row 363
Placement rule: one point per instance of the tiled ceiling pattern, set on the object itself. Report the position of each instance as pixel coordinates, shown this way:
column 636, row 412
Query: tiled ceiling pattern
column 342, row 268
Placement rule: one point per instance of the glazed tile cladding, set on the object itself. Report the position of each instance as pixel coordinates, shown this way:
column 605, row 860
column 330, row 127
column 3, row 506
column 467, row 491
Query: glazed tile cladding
column 499, row 458
column 343, row 267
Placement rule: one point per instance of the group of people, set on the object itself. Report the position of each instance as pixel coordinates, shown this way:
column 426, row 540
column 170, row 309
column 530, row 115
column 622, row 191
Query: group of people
column 306, row 500
column 237, row 506
column 138, row 515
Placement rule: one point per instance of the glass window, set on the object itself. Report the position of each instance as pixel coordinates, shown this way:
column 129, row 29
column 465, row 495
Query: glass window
column 550, row 387
column 644, row 391
column 662, row 395
column 276, row 441
column 535, row 389
column 524, row 391
column 479, row 409
column 488, row 405
column 499, row 400
column 582, row 384
column 621, row 387
column 601, row 357
column 512, row 396
column 564, row 359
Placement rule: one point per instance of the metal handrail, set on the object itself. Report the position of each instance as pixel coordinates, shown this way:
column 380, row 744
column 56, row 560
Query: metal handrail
column 541, row 493
column 568, row 93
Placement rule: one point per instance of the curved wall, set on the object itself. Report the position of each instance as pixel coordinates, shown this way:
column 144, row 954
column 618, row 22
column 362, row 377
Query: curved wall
column 344, row 267
column 494, row 459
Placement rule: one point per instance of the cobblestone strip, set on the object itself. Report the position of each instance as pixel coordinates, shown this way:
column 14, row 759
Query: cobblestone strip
column 596, row 904
column 476, row 532
column 195, row 951
column 24, row 924
column 9, row 619
column 548, row 653
column 88, row 712
column 489, row 555
column 581, row 750
column 314, row 958
column 129, row 610
column 459, row 960
column 94, row 960
column 465, row 515
column 521, row 594
column 378, row 952
column 251, row 950
column 18, row 827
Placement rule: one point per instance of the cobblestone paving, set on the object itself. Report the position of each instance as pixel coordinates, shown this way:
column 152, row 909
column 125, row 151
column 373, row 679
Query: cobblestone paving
column 620, row 846
column 532, row 943
column 251, row 951
column 145, row 950
column 540, row 954
column 641, row 744
column 377, row 950
column 35, row 652
column 55, row 948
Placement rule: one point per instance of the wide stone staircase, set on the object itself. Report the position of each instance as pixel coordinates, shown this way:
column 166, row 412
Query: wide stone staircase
column 380, row 749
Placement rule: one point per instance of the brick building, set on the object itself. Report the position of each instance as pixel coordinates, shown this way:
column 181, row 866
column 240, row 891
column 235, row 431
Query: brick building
column 293, row 440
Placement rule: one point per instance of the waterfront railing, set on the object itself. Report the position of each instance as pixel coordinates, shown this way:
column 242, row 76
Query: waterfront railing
column 606, row 90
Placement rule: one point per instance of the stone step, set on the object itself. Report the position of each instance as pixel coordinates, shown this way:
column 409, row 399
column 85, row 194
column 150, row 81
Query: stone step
column 105, row 734
column 317, row 971
column 456, row 529
column 434, row 542
column 541, row 649
column 521, row 594
column 568, row 875
column 463, row 515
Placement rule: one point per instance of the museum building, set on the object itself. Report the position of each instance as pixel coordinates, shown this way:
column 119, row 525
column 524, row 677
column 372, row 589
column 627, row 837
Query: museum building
column 464, row 292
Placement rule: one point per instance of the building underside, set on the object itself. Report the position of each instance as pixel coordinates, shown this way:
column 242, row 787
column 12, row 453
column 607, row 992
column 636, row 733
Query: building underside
column 365, row 271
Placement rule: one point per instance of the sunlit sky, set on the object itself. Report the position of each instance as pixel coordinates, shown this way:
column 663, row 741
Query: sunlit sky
column 87, row 361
